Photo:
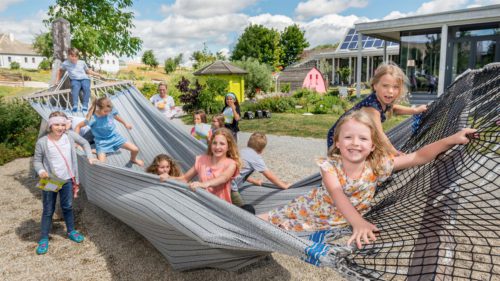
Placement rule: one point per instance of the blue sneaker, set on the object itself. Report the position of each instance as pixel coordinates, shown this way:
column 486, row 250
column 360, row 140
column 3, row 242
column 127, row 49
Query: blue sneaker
column 76, row 236
column 43, row 246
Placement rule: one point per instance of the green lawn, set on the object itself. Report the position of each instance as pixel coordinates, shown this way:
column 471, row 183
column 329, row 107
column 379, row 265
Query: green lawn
column 35, row 75
column 298, row 125
column 14, row 92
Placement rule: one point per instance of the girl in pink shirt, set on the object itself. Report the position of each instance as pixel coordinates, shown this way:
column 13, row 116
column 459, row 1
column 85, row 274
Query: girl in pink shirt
column 217, row 168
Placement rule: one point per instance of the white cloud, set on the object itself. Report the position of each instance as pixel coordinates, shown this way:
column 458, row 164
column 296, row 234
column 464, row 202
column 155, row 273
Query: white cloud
column 480, row 3
column 434, row 6
column 202, row 8
column 4, row 4
column 277, row 22
column 24, row 30
column 329, row 29
column 313, row 8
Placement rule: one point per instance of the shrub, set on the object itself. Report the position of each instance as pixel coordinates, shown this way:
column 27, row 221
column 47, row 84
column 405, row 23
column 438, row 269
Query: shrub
column 274, row 104
column 189, row 94
column 320, row 108
column 19, row 130
column 209, row 98
column 44, row 64
column 306, row 97
column 149, row 89
column 15, row 65
column 285, row 88
column 333, row 92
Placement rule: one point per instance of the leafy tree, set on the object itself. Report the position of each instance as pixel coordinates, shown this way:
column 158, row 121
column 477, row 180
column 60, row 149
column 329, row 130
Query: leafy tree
column 344, row 73
column 208, row 100
column 171, row 64
column 293, row 43
column 259, row 76
column 15, row 65
column 43, row 45
column 260, row 43
column 98, row 26
column 44, row 64
column 149, row 59
column 202, row 58
column 189, row 95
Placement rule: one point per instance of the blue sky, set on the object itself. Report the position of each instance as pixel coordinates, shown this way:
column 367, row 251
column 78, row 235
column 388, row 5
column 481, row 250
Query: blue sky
column 183, row 26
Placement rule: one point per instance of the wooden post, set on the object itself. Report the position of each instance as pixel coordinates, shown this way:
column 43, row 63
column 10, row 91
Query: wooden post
column 62, row 42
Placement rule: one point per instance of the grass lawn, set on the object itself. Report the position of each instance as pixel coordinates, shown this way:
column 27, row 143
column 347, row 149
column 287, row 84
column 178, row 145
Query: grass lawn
column 15, row 92
column 35, row 75
column 298, row 125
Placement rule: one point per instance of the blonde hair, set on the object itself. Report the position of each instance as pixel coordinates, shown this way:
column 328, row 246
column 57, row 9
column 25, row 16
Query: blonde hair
column 175, row 170
column 392, row 69
column 99, row 104
column 202, row 114
column 257, row 141
column 380, row 151
column 220, row 119
column 232, row 148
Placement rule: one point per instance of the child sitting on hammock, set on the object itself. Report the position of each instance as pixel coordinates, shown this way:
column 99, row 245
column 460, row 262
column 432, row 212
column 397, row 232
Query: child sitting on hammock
column 358, row 162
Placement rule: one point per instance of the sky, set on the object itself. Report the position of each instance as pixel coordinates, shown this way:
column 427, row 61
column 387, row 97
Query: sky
column 170, row 27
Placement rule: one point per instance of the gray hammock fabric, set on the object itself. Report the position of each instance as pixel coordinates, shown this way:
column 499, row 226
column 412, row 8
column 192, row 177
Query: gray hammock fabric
column 439, row 220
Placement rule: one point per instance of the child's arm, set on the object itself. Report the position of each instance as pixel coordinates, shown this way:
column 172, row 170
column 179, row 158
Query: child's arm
column 85, row 144
column 226, row 176
column 59, row 75
column 405, row 110
column 361, row 229
column 274, row 179
column 184, row 178
column 79, row 126
column 119, row 119
column 91, row 72
column 38, row 161
column 431, row 151
column 254, row 181
column 375, row 115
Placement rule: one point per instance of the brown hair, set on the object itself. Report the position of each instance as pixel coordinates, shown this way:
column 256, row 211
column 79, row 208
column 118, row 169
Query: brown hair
column 257, row 142
column 220, row 119
column 232, row 148
column 162, row 84
column 380, row 148
column 392, row 69
column 175, row 170
column 55, row 114
column 73, row 51
column 99, row 104
column 202, row 114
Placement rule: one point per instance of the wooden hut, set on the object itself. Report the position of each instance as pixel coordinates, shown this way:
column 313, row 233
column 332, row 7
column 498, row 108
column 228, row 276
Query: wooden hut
column 302, row 77
column 227, row 71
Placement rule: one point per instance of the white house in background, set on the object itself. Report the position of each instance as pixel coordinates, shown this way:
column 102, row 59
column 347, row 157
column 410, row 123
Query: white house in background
column 108, row 63
column 12, row 50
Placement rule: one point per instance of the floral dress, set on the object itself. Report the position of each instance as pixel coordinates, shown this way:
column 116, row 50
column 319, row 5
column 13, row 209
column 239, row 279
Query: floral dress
column 316, row 210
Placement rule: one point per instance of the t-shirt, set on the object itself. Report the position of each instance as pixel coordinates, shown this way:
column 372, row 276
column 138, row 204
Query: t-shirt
column 229, row 121
column 164, row 105
column 55, row 158
column 103, row 127
column 207, row 171
column 76, row 71
column 252, row 161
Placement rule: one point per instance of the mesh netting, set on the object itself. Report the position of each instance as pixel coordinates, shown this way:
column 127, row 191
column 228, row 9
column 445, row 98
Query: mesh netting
column 440, row 221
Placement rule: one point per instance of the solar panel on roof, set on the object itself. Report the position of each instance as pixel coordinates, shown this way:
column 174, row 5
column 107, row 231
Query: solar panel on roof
column 344, row 45
column 369, row 44
column 353, row 45
column 377, row 43
column 351, row 32
column 348, row 38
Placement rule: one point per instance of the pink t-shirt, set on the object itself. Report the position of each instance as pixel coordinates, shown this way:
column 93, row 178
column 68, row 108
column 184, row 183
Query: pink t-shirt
column 207, row 171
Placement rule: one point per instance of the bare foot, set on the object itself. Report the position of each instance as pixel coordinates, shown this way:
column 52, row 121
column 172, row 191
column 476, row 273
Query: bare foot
column 137, row 162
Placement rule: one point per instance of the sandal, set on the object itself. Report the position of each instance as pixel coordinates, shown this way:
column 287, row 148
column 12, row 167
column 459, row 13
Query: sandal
column 76, row 236
column 43, row 246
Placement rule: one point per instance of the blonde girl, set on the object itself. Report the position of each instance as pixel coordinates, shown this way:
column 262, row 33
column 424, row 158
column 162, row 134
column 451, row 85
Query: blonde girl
column 389, row 87
column 358, row 162
column 217, row 168
column 201, row 130
column 164, row 166
column 55, row 157
column 100, row 119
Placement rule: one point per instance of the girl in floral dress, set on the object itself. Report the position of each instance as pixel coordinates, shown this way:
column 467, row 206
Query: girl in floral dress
column 354, row 168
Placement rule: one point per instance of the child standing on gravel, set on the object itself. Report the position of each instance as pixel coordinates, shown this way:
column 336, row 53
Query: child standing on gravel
column 359, row 161
column 55, row 160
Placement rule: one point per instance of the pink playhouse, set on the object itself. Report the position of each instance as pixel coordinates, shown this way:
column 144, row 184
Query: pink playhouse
column 302, row 77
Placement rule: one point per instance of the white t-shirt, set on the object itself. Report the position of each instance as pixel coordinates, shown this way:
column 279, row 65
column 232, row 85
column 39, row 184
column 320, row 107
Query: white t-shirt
column 55, row 158
column 165, row 105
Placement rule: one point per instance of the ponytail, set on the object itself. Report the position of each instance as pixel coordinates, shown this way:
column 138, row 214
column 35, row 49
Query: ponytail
column 91, row 109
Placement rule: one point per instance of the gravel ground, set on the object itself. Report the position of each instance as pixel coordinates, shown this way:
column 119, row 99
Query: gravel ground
column 114, row 251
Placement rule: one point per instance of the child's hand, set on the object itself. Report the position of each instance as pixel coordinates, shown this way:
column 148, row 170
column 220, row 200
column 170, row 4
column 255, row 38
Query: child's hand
column 92, row 161
column 231, row 103
column 463, row 136
column 44, row 175
column 128, row 126
column 164, row 177
column 420, row 108
column 362, row 231
column 196, row 184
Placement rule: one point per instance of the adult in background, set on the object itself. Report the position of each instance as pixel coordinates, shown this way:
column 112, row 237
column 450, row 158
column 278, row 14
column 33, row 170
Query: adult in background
column 163, row 102
column 232, row 114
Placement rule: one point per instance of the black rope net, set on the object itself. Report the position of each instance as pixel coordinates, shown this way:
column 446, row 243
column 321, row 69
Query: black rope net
column 440, row 221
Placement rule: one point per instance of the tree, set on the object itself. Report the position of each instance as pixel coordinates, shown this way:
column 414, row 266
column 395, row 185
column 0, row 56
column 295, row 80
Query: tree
column 202, row 57
column 171, row 64
column 292, row 42
column 259, row 76
column 260, row 43
column 43, row 45
column 149, row 59
column 98, row 26
column 344, row 73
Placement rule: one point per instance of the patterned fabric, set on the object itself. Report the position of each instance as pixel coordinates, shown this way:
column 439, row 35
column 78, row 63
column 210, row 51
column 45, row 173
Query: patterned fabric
column 370, row 101
column 316, row 210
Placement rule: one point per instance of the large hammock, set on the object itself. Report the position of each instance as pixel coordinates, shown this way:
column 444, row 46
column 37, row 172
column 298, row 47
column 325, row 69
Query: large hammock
column 437, row 221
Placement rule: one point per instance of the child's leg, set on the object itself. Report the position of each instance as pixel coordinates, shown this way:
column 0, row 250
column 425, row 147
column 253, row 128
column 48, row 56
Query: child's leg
column 49, row 205
column 134, row 150
column 76, row 85
column 86, row 94
column 66, row 199
column 101, row 157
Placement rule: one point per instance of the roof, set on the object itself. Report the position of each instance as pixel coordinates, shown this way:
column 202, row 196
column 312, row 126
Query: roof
column 8, row 45
column 294, row 74
column 390, row 29
column 220, row 67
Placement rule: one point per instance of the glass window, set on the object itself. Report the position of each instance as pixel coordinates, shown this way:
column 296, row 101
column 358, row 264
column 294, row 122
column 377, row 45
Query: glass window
column 485, row 52
column 477, row 31
column 25, row 59
column 9, row 59
column 461, row 58
column 33, row 60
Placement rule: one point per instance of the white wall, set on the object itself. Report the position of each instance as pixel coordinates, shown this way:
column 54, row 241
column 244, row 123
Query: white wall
column 108, row 63
column 25, row 61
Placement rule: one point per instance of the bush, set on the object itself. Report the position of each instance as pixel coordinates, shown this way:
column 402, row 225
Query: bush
column 333, row 92
column 274, row 104
column 285, row 88
column 149, row 89
column 320, row 108
column 44, row 64
column 15, row 65
column 211, row 98
column 19, row 130
column 306, row 97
